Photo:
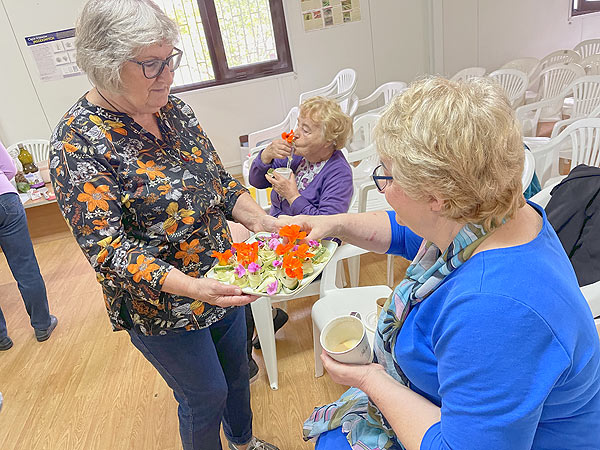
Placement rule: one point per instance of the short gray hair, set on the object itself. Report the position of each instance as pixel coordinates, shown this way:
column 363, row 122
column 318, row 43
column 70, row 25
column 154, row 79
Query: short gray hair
column 110, row 32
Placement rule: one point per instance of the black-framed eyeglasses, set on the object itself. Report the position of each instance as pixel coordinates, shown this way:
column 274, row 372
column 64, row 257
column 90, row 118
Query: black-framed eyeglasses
column 381, row 180
column 152, row 68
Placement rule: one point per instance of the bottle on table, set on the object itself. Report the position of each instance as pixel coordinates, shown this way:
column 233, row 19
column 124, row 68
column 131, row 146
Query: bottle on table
column 31, row 171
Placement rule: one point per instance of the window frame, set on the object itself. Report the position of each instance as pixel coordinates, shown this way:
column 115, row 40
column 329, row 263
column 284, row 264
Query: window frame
column 584, row 7
column 223, row 73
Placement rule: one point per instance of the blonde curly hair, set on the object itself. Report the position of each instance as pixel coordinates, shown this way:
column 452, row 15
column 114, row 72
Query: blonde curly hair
column 457, row 141
column 336, row 126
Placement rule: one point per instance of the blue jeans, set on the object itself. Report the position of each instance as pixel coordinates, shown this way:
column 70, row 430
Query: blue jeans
column 208, row 372
column 18, row 249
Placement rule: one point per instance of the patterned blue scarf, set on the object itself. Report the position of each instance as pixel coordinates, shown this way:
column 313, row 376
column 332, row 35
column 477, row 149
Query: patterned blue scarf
column 362, row 422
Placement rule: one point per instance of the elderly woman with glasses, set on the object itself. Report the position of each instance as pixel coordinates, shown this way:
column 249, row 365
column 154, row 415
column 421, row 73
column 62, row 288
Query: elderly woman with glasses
column 487, row 342
column 148, row 200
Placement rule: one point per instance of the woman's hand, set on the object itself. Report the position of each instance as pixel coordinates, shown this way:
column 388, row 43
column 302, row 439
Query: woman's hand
column 220, row 294
column 355, row 375
column 278, row 149
column 286, row 188
column 317, row 227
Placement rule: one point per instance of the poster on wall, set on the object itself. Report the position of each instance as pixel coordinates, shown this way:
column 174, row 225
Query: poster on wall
column 319, row 14
column 54, row 54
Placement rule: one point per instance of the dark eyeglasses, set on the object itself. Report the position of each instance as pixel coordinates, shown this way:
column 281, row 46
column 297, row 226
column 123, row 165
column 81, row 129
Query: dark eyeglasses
column 154, row 67
column 381, row 180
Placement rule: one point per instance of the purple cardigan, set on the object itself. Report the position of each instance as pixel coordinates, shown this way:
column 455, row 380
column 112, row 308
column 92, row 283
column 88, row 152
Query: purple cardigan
column 328, row 193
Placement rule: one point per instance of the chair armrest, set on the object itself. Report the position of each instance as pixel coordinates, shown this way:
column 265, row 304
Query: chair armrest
column 591, row 292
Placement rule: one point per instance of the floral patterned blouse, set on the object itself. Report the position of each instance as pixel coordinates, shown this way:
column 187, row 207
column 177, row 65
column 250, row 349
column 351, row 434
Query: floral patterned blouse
column 139, row 206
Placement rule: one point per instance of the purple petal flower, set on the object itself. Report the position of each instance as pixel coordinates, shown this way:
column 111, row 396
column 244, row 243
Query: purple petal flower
column 232, row 250
column 276, row 263
column 253, row 267
column 273, row 243
column 261, row 244
column 313, row 243
column 295, row 248
column 274, row 236
column 272, row 288
column 240, row 271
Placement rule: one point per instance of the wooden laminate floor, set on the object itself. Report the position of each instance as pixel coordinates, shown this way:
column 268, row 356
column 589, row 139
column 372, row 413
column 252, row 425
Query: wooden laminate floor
column 88, row 388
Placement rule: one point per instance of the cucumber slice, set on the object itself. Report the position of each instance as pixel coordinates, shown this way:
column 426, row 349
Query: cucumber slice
column 263, row 286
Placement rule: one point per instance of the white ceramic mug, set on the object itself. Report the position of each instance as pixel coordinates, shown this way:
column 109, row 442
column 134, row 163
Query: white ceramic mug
column 284, row 172
column 345, row 340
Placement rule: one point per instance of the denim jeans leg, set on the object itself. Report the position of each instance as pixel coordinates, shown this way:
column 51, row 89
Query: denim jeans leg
column 229, row 335
column 18, row 249
column 188, row 362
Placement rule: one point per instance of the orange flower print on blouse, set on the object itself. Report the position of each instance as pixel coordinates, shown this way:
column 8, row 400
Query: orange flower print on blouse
column 142, row 268
column 197, row 155
column 108, row 126
column 95, row 197
column 176, row 215
column 150, row 169
column 189, row 252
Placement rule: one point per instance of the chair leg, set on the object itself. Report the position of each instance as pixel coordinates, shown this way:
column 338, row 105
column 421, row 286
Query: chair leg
column 354, row 269
column 263, row 321
column 317, row 350
column 390, row 271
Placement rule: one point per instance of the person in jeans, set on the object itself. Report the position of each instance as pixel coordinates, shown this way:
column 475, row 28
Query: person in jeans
column 148, row 199
column 18, row 249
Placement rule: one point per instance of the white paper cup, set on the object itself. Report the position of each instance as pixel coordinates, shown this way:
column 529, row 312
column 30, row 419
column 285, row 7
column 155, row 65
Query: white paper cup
column 284, row 172
column 345, row 340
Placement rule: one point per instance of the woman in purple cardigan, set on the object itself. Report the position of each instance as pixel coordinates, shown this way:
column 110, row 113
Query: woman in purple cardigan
column 321, row 179
column 320, row 182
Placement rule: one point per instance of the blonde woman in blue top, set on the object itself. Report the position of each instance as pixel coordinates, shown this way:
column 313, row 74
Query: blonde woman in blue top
column 487, row 343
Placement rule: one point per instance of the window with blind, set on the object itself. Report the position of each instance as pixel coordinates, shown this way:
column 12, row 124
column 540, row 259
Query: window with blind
column 584, row 7
column 225, row 41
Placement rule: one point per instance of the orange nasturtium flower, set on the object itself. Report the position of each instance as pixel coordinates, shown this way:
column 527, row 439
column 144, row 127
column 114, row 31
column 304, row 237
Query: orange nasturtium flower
column 289, row 137
column 223, row 257
column 246, row 253
column 142, row 268
column 293, row 266
column 292, row 232
column 302, row 252
column 282, row 249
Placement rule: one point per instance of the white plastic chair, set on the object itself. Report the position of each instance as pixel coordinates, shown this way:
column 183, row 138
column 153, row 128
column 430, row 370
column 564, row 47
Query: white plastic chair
column 335, row 302
column 556, row 57
column 376, row 102
column 584, row 139
column 562, row 124
column 514, row 83
column 554, row 79
column 588, row 47
column 526, row 65
column 585, row 92
column 468, row 73
column 341, row 89
column 591, row 64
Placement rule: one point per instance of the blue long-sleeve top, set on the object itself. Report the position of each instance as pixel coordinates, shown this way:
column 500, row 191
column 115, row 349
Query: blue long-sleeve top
column 507, row 347
column 328, row 193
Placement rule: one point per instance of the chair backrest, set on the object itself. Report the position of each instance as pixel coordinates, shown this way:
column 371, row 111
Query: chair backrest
column 591, row 64
column 588, row 47
column 527, row 65
column 528, row 169
column 514, row 83
column 582, row 136
column 559, row 56
column 586, row 95
column 341, row 89
column 39, row 149
column 363, row 127
column 268, row 134
column 468, row 73
column 555, row 78
column 382, row 96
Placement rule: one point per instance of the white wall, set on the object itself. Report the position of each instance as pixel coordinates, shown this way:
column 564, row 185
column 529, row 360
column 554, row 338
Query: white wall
column 390, row 43
column 490, row 33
